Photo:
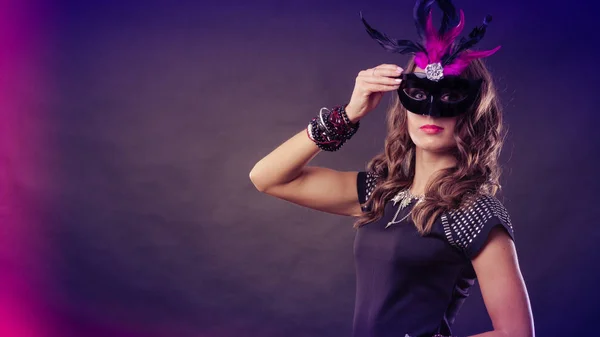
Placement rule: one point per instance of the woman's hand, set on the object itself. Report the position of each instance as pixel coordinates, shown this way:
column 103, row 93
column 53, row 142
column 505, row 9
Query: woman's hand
column 370, row 86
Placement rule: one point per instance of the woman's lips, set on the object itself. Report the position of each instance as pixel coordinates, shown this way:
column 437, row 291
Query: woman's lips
column 431, row 129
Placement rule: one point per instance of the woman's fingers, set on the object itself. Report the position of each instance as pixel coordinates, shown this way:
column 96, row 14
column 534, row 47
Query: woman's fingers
column 384, row 74
column 390, row 70
column 383, row 80
column 379, row 79
column 375, row 87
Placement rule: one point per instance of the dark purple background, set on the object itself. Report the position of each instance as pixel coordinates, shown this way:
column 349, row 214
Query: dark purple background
column 161, row 108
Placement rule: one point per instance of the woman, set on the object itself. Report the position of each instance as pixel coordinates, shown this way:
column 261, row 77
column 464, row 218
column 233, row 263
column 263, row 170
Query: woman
column 428, row 223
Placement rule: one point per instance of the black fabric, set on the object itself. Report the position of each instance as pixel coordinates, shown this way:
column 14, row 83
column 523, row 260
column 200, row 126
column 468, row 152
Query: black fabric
column 365, row 182
column 412, row 284
column 361, row 185
column 448, row 97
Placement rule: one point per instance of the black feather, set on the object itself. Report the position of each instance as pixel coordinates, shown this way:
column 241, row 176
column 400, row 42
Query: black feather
column 487, row 19
column 420, row 13
column 450, row 18
column 392, row 45
column 465, row 43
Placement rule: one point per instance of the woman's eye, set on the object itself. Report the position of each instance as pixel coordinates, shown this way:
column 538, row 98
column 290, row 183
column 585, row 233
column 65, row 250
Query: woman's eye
column 452, row 97
column 416, row 94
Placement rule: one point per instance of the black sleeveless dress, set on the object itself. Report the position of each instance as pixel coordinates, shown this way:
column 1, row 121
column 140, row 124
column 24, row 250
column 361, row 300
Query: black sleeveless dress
column 414, row 285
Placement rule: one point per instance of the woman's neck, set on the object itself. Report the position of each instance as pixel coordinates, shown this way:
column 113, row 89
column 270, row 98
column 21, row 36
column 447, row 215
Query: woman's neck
column 426, row 165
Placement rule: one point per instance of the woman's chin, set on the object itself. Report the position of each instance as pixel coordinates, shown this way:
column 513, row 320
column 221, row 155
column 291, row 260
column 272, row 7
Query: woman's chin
column 435, row 146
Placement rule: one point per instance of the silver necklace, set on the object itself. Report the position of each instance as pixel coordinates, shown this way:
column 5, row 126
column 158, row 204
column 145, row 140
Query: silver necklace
column 405, row 198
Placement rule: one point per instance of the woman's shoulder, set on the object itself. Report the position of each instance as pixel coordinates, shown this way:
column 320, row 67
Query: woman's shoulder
column 468, row 226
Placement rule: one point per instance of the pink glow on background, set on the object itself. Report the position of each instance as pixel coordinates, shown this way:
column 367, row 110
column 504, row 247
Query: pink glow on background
column 22, row 86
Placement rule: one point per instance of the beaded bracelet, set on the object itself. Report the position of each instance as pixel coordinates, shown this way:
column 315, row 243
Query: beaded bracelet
column 330, row 129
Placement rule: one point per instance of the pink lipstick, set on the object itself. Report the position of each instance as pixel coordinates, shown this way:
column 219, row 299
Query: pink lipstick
column 431, row 129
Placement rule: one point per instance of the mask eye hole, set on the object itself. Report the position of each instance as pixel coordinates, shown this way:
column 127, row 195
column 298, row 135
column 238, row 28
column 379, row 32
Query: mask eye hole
column 453, row 96
column 416, row 93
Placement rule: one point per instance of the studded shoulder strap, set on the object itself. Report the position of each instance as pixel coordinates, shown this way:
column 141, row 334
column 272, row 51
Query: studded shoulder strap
column 371, row 182
column 366, row 183
column 467, row 228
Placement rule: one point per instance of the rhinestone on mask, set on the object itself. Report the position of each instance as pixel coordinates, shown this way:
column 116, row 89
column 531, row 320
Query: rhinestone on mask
column 434, row 71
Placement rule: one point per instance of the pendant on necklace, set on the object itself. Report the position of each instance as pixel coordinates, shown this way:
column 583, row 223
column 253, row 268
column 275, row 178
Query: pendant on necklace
column 405, row 198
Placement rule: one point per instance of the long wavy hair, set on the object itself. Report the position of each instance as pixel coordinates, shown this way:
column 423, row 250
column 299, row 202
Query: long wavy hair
column 479, row 138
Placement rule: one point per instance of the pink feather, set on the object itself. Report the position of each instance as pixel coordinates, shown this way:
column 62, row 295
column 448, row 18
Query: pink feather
column 456, row 68
column 462, row 61
column 433, row 45
column 437, row 46
column 471, row 55
column 421, row 60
